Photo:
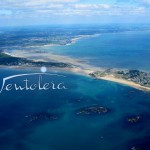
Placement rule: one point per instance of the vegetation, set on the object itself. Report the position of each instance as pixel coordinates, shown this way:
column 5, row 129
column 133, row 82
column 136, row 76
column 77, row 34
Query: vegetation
column 11, row 61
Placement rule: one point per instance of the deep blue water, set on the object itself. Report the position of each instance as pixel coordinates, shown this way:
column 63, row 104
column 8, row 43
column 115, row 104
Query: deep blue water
column 108, row 131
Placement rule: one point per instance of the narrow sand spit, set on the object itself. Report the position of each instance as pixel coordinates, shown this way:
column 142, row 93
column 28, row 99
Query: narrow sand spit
column 79, row 66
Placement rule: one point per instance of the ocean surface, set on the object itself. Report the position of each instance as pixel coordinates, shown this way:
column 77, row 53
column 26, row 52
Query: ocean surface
column 25, row 116
column 111, row 50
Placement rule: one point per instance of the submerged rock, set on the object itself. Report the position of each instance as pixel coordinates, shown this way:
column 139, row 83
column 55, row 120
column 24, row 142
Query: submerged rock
column 41, row 116
column 134, row 119
column 135, row 148
column 141, row 143
column 92, row 110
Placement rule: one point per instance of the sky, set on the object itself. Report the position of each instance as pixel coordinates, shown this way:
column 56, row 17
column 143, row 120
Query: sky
column 38, row 12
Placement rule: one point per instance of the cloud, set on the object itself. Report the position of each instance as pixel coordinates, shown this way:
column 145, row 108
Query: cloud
column 92, row 10
column 92, row 6
column 45, row 2
column 32, row 2
column 145, row 3
column 49, row 8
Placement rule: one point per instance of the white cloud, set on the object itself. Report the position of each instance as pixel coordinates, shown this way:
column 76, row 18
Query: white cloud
column 92, row 6
column 91, row 10
column 47, row 8
column 32, row 2
column 146, row 1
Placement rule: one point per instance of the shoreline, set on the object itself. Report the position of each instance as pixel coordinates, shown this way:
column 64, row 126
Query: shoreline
column 78, row 67
column 73, row 40
column 86, row 73
column 125, row 82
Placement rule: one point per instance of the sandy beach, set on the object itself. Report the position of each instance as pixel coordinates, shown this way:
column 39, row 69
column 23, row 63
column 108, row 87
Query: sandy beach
column 82, row 65
column 78, row 66
column 125, row 82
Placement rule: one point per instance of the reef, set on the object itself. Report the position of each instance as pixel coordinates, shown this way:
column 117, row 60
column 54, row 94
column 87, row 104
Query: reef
column 133, row 119
column 92, row 110
column 43, row 116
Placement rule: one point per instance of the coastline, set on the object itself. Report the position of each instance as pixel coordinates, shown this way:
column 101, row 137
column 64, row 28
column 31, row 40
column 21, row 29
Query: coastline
column 112, row 79
column 125, row 82
column 73, row 40
column 86, row 72
column 78, row 67
column 77, row 64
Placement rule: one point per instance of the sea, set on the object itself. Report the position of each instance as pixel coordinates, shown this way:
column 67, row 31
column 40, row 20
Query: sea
column 48, row 119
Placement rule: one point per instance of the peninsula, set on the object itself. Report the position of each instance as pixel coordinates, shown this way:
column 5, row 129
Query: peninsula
column 134, row 78
column 8, row 60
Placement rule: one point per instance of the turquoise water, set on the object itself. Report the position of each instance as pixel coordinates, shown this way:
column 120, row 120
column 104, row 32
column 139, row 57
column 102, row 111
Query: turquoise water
column 107, row 132
column 111, row 50
column 69, row 131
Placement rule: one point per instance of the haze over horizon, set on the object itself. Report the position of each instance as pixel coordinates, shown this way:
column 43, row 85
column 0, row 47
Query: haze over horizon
column 46, row 12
